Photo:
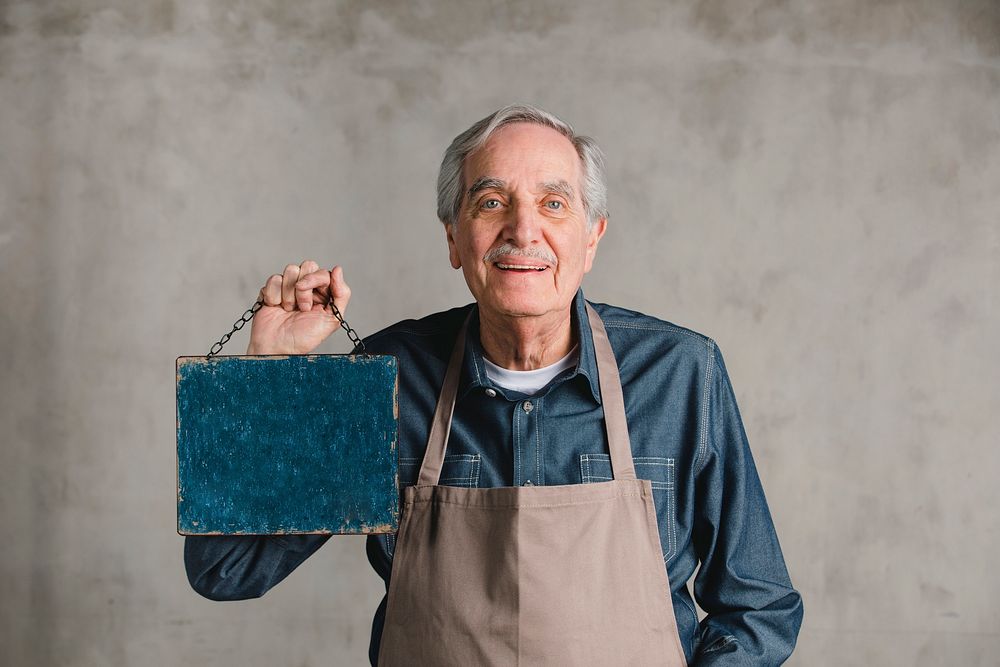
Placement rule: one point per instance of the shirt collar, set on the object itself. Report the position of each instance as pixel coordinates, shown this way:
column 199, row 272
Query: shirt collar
column 474, row 366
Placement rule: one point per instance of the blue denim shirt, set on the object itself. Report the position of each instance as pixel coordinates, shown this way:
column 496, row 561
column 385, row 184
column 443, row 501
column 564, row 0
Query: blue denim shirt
column 687, row 439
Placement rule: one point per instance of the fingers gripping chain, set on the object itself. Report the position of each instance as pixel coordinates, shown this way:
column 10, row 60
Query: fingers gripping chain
column 252, row 310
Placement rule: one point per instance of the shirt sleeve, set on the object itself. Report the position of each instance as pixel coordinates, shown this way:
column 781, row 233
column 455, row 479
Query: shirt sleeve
column 753, row 613
column 239, row 567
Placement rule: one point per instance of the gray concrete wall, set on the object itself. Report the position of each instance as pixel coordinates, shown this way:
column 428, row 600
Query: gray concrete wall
column 814, row 184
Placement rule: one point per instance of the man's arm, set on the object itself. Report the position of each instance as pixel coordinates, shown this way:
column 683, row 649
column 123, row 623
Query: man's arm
column 239, row 567
column 754, row 614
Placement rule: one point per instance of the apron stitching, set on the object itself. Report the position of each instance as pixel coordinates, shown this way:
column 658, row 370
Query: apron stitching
column 531, row 506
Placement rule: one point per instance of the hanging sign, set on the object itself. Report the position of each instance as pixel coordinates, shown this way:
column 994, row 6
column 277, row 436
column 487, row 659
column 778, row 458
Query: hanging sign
column 287, row 444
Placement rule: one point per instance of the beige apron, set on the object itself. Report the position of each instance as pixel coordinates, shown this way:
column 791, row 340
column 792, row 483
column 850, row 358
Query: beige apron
column 530, row 575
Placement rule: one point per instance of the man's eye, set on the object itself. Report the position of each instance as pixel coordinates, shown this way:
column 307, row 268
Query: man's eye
column 554, row 204
column 491, row 204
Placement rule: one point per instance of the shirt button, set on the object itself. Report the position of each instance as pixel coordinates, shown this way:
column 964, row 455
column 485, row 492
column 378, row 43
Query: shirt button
column 491, row 393
column 528, row 483
column 528, row 407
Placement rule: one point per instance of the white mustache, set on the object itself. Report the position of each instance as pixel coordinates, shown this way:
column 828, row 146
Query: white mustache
column 513, row 251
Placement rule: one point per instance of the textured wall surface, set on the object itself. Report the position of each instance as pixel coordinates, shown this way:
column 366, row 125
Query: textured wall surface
column 813, row 184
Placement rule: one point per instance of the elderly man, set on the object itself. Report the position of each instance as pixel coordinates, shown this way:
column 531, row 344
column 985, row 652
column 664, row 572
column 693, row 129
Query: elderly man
column 567, row 466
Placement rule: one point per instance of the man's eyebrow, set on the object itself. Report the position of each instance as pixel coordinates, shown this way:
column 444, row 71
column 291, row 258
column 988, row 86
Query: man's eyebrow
column 559, row 187
column 486, row 183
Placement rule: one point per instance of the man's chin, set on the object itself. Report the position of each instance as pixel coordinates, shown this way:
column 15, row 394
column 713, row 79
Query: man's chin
column 516, row 306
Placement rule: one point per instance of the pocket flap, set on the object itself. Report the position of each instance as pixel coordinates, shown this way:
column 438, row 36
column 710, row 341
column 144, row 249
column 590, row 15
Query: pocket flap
column 458, row 470
column 659, row 470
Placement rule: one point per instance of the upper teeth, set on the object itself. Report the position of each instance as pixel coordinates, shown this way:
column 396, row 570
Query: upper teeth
column 520, row 266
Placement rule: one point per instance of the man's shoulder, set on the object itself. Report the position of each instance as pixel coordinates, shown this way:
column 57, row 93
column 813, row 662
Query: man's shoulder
column 627, row 325
column 655, row 355
column 434, row 332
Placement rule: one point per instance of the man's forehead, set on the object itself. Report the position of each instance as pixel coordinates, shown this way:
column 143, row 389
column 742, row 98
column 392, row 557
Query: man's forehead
column 542, row 155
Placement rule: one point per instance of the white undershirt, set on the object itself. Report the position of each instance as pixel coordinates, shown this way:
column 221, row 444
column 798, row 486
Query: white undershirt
column 529, row 382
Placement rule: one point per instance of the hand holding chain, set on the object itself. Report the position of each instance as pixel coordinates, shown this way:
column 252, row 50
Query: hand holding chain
column 252, row 310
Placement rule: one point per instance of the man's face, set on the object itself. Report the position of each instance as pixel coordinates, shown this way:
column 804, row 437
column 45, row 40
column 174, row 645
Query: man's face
column 521, row 237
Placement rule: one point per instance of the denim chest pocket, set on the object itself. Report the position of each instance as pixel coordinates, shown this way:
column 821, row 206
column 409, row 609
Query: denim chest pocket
column 659, row 470
column 457, row 470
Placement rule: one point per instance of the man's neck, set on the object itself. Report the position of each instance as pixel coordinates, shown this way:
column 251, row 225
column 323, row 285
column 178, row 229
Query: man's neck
column 526, row 343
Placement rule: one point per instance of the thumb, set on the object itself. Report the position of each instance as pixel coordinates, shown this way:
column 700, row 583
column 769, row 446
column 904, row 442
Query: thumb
column 339, row 289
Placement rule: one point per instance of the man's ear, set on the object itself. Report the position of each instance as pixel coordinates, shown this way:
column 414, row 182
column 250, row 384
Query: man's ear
column 594, row 237
column 456, row 261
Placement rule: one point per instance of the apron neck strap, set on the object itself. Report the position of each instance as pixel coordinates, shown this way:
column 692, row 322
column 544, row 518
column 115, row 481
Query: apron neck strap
column 612, row 400
column 430, row 469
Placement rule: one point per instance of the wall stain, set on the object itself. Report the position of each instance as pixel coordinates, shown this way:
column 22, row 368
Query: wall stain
column 952, row 316
column 980, row 25
column 6, row 27
column 451, row 24
column 710, row 99
column 937, row 595
column 742, row 23
column 859, row 25
column 74, row 19
column 64, row 21
column 920, row 268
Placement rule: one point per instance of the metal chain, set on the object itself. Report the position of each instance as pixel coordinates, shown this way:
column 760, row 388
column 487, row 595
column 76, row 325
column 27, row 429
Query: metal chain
column 351, row 333
column 239, row 324
column 252, row 310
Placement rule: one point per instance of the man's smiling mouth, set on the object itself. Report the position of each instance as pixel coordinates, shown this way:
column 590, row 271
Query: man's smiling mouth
column 511, row 259
column 523, row 268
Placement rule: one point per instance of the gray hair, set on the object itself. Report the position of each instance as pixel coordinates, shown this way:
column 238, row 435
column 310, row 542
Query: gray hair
column 451, row 189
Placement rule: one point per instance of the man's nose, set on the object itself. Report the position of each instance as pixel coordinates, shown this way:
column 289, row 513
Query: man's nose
column 523, row 224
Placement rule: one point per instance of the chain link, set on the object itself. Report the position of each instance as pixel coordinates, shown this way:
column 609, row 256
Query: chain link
column 252, row 310
column 239, row 324
column 351, row 333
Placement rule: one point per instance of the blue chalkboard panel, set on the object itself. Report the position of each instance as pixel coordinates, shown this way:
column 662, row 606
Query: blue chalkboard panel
column 287, row 444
